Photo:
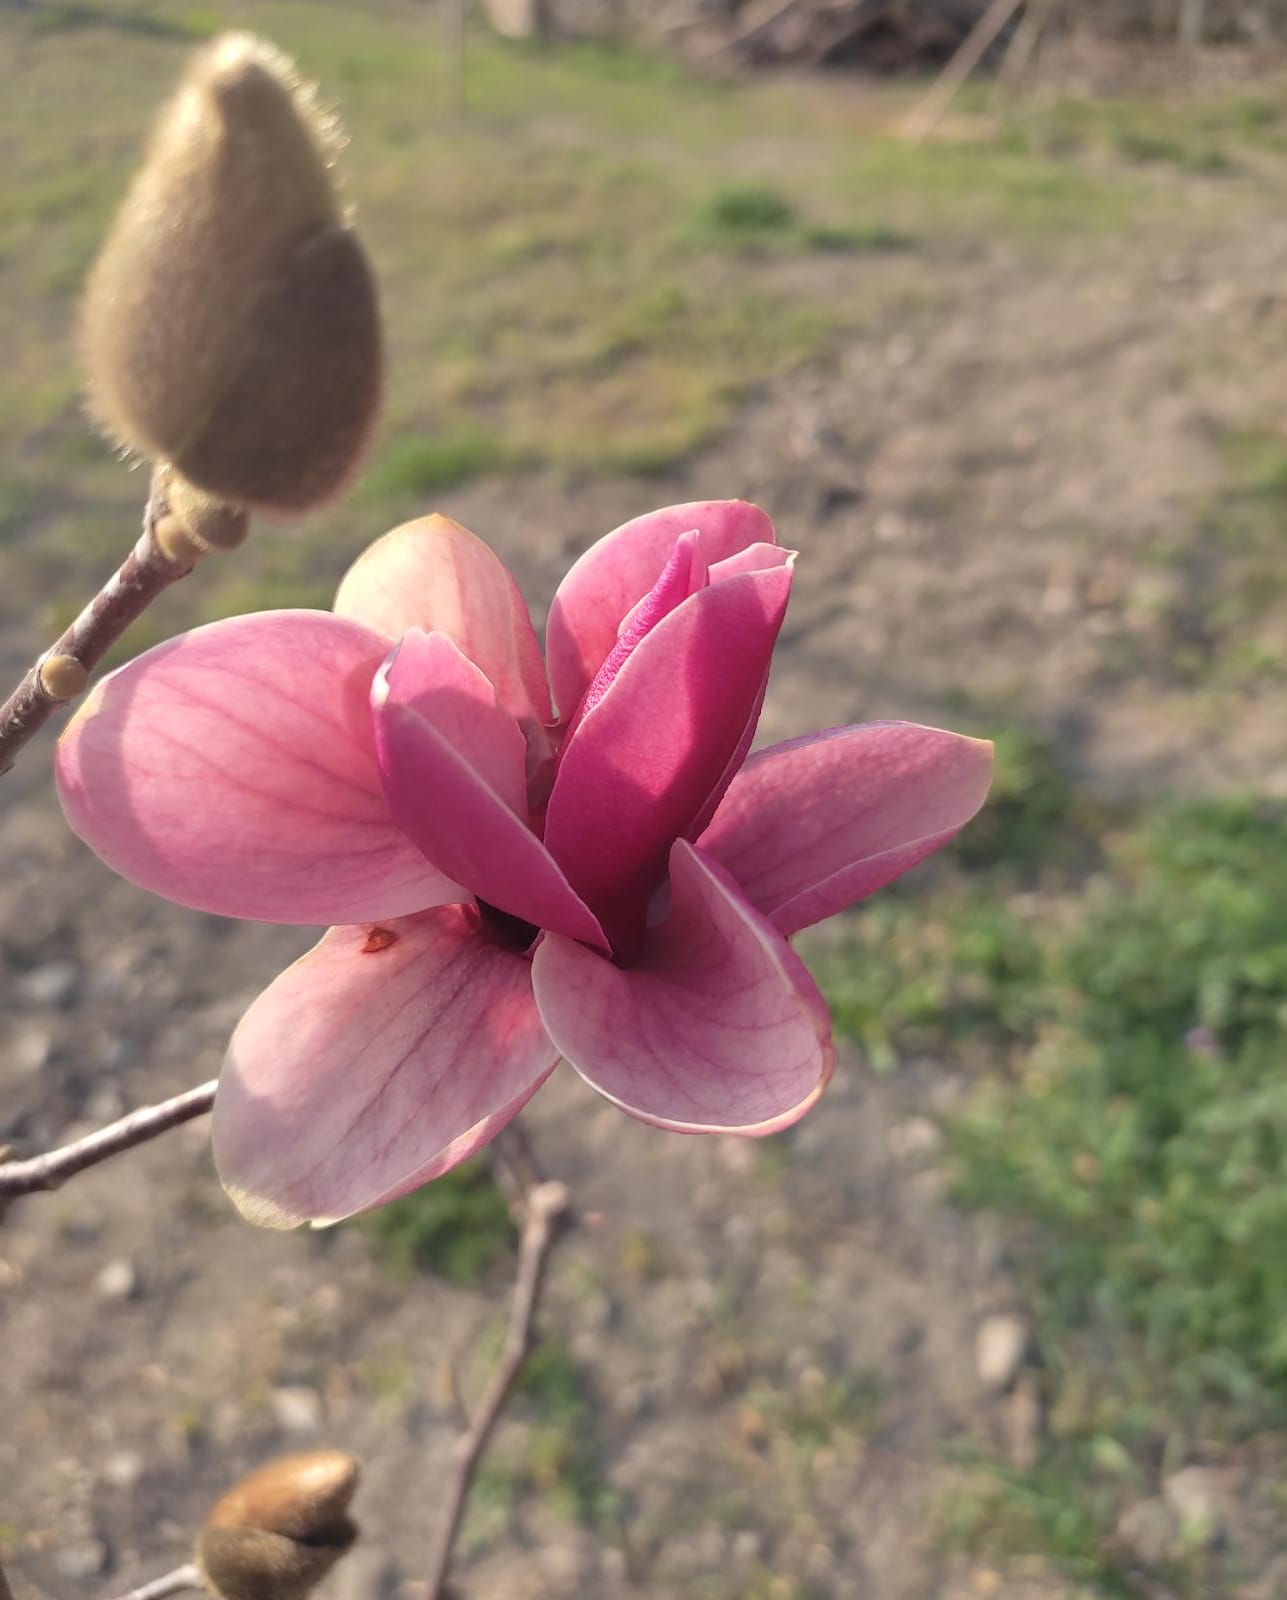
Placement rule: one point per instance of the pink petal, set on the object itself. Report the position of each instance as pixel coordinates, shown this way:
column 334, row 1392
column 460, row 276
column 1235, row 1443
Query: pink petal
column 648, row 760
column 683, row 575
column 614, row 575
column 428, row 674
column 812, row 825
column 451, row 760
column 378, row 1061
column 434, row 574
column 233, row 769
column 717, row 1026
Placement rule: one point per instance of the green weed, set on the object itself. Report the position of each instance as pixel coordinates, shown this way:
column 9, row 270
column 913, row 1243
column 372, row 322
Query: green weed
column 458, row 1227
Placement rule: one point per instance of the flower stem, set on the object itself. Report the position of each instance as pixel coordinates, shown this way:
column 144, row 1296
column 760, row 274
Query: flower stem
column 547, row 1211
column 185, row 1577
column 61, row 673
column 52, row 1169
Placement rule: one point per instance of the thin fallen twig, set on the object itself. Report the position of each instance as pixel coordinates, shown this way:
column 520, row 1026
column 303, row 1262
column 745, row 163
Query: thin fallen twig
column 52, row 1169
column 182, row 1578
column 62, row 672
column 929, row 112
column 547, row 1213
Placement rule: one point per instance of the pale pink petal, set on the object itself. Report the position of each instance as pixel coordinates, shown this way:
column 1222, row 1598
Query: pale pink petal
column 379, row 1060
column 808, row 827
column 615, row 574
column 647, row 761
column 754, row 558
column 427, row 673
column 233, row 769
column 435, row 575
column 451, row 763
column 716, row 1027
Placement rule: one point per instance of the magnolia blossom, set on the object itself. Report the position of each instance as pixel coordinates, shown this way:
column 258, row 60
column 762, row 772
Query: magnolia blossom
column 614, row 884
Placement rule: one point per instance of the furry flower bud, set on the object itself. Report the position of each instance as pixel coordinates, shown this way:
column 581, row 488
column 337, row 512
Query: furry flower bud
column 230, row 324
column 279, row 1531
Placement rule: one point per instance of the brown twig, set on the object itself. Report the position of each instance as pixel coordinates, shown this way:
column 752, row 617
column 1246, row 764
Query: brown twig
column 62, row 672
column 186, row 1577
column 52, row 1169
column 929, row 112
column 547, row 1210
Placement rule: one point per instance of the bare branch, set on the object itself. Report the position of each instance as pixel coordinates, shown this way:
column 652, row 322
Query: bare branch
column 175, row 1582
column 52, row 1169
column 548, row 1213
column 182, row 1578
column 62, row 672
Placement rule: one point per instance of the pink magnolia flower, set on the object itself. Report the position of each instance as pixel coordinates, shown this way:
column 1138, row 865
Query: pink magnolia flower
column 616, row 887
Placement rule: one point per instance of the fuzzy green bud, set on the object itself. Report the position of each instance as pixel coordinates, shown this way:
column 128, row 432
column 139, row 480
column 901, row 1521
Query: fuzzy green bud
column 230, row 324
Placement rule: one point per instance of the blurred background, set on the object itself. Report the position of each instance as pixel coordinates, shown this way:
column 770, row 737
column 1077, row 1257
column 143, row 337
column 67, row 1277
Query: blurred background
column 1007, row 1315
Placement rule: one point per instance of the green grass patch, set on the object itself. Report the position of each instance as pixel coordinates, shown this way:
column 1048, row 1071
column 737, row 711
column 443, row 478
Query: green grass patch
column 584, row 272
column 1003, row 1515
column 1144, row 1121
column 1127, row 1031
column 1202, row 133
column 457, row 1227
column 411, row 468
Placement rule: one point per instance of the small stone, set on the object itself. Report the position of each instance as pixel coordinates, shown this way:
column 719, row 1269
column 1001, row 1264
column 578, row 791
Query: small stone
column 747, row 1547
column 1194, row 1495
column 106, row 1104
column 117, row 1280
column 916, row 1139
column 123, row 1469
column 297, row 1409
column 81, row 1558
column 50, row 985
column 1000, row 1348
column 30, row 1050
column 752, row 1427
column 1024, row 1419
column 1148, row 1530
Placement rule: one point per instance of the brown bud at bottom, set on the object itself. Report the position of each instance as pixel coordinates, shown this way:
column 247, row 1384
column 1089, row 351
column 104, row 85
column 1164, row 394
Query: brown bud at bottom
column 301, row 1496
column 254, row 1564
column 5, row 1592
column 279, row 1531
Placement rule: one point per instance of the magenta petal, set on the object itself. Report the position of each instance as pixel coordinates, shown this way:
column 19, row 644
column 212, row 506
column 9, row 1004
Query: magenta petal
column 451, row 760
column 435, row 575
column 683, row 575
column 379, row 1060
column 810, row 826
column 648, row 760
column 233, row 769
column 615, row 574
column 717, row 1026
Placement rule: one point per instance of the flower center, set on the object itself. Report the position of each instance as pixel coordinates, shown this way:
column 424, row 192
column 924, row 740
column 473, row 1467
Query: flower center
column 508, row 931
